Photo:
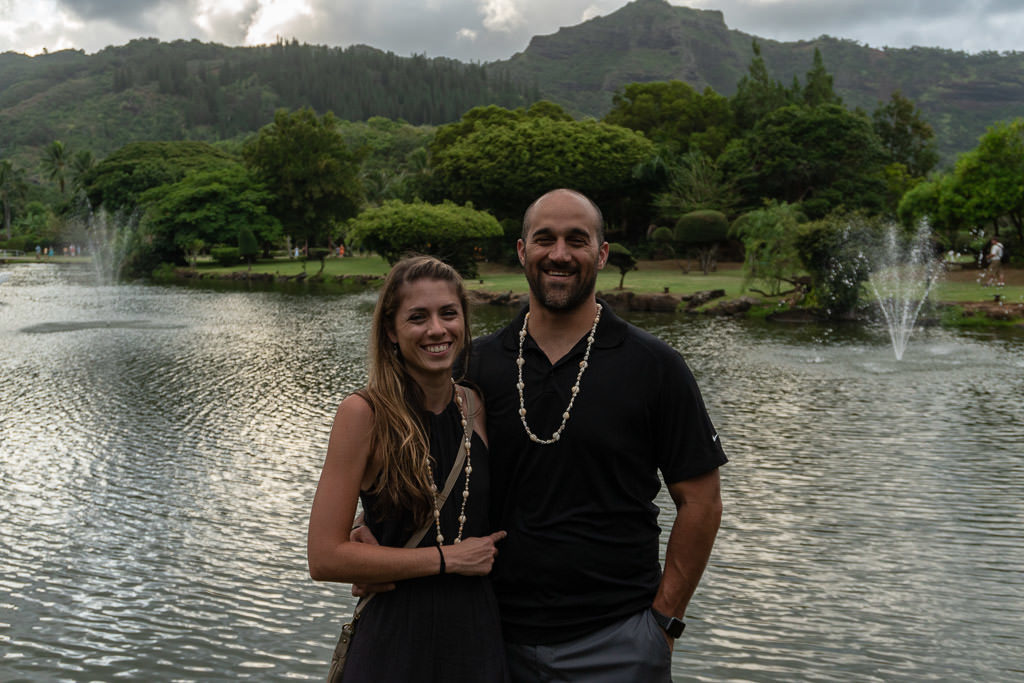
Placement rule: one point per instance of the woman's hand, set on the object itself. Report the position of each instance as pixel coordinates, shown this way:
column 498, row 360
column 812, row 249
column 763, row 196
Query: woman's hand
column 473, row 556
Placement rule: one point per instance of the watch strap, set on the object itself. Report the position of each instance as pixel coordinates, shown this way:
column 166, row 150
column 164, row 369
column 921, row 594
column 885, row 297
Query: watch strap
column 673, row 626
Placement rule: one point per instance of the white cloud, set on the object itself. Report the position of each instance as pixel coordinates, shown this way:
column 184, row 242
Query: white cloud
column 277, row 18
column 591, row 12
column 486, row 29
column 501, row 15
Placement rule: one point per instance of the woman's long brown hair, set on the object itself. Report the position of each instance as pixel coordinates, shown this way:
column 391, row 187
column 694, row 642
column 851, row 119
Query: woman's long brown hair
column 400, row 440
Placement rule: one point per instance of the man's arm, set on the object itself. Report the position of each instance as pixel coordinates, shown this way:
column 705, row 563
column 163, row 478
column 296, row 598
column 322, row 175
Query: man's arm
column 698, row 514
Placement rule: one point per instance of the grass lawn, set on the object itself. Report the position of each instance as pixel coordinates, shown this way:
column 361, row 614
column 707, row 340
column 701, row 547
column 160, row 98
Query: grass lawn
column 350, row 265
column 650, row 277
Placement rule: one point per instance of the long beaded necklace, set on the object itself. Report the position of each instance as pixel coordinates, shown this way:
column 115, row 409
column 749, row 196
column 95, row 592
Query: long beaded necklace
column 520, row 385
column 467, row 432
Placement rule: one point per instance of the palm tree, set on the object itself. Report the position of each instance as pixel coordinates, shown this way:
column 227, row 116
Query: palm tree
column 81, row 163
column 13, row 186
column 55, row 163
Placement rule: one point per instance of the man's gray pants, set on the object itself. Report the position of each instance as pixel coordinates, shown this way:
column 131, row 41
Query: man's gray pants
column 632, row 650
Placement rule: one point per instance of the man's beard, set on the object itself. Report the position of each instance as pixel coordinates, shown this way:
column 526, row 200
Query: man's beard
column 562, row 298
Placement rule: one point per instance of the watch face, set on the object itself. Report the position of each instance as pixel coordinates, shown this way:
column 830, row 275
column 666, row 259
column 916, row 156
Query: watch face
column 670, row 625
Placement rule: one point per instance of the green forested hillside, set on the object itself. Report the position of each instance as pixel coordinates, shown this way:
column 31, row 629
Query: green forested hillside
column 582, row 66
column 148, row 90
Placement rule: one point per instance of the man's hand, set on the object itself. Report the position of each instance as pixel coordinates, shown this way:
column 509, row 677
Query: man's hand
column 362, row 534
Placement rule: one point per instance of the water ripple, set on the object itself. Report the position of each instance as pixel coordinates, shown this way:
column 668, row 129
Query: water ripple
column 157, row 478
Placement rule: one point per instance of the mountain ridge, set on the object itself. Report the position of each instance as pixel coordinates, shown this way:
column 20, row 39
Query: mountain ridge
column 651, row 40
column 148, row 89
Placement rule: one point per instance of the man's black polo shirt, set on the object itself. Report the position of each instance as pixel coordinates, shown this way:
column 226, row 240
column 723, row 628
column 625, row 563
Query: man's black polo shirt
column 582, row 548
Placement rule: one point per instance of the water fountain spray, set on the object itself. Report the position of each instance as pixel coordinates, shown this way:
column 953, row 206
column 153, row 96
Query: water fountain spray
column 902, row 276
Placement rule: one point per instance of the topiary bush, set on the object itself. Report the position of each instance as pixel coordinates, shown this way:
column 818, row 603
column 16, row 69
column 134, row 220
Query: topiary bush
column 620, row 257
column 448, row 231
column 663, row 238
column 701, row 231
column 226, row 256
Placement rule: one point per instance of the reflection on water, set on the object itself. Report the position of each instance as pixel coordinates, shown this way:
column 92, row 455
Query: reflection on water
column 159, row 449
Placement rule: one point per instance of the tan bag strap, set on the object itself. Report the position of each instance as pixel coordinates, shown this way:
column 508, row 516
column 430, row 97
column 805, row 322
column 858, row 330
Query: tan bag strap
column 449, row 484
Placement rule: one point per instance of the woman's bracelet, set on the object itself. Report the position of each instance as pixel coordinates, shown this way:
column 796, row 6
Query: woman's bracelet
column 441, row 553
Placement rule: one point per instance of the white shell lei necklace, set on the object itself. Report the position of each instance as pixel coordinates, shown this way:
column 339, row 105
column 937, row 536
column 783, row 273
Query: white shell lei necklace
column 467, row 432
column 575, row 388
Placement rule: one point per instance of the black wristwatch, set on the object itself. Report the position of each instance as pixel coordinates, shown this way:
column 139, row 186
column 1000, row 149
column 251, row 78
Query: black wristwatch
column 670, row 625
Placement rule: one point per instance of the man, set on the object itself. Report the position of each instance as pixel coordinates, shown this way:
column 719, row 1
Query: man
column 995, row 264
column 583, row 410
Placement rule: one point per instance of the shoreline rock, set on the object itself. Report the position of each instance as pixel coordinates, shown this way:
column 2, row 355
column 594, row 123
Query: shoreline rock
column 633, row 302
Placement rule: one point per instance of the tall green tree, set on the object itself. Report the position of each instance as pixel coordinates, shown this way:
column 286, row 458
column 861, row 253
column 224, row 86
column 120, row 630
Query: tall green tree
column 905, row 135
column 818, row 89
column 117, row 182
column 673, row 114
column 940, row 202
column 55, row 162
column 208, row 206
column 991, row 178
column 81, row 163
column 757, row 93
column 312, row 172
column 823, row 158
column 13, row 188
column 508, row 162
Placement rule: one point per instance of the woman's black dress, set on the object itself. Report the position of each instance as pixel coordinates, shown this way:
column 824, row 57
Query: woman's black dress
column 436, row 628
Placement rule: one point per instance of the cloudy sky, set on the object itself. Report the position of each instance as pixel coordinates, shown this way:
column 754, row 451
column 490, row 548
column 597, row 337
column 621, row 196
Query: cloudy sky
column 485, row 30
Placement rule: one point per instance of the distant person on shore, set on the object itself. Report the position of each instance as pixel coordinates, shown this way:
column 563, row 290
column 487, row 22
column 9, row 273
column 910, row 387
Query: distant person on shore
column 411, row 433
column 994, row 274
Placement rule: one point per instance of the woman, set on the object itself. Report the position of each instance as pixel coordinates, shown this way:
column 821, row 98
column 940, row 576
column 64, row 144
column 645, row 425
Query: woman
column 390, row 444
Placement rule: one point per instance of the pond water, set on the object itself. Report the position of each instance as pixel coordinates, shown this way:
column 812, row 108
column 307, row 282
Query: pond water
column 159, row 449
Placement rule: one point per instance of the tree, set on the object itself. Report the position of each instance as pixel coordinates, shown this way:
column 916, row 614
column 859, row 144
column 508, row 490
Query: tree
column 702, row 231
column 118, row 181
column 834, row 251
column 906, row 137
column 822, row 158
column 208, row 206
column 991, row 178
column 511, row 160
column 622, row 258
column 55, row 163
column 81, row 163
column 818, row 89
column 248, row 246
column 769, row 241
column 673, row 114
column 13, row 187
column 448, row 231
column 663, row 238
column 313, row 173
column 940, row 202
column 695, row 182
column 757, row 93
